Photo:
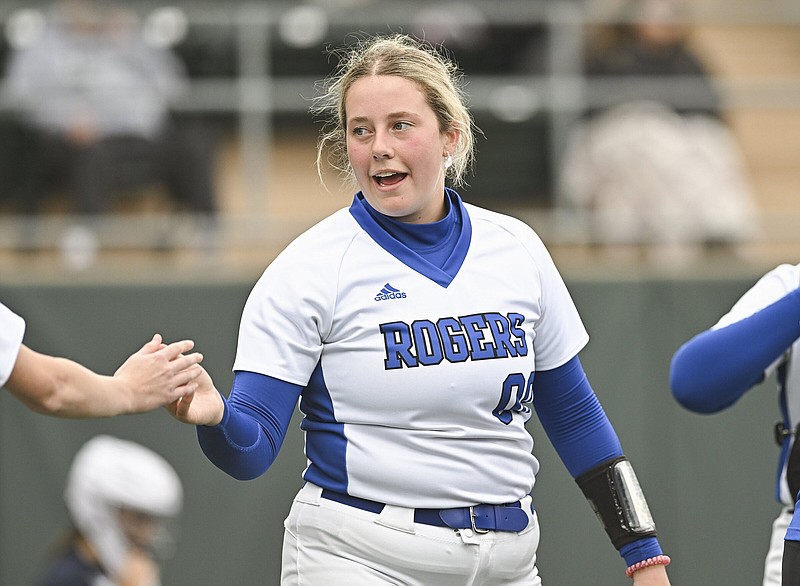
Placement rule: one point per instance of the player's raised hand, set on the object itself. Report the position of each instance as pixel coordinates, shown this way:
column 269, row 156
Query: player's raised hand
column 204, row 406
column 159, row 373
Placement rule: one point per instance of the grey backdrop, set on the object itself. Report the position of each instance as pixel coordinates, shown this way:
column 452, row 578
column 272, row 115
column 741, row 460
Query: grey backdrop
column 709, row 479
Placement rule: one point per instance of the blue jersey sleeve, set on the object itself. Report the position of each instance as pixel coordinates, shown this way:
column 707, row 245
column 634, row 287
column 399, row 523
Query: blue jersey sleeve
column 715, row 368
column 580, row 432
column 257, row 414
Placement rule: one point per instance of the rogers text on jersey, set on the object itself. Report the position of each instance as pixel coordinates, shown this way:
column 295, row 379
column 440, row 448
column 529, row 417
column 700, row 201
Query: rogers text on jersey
column 480, row 336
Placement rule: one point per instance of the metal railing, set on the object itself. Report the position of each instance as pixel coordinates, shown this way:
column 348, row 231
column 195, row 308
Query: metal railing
column 255, row 97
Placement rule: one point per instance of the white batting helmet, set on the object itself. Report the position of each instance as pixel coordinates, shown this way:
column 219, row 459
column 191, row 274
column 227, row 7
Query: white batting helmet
column 109, row 474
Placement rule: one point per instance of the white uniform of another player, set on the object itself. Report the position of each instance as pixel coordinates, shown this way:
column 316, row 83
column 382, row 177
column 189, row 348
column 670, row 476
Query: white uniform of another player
column 443, row 355
column 771, row 287
column 12, row 329
column 756, row 354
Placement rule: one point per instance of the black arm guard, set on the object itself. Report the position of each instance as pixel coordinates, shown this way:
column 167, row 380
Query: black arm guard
column 616, row 498
column 791, row 563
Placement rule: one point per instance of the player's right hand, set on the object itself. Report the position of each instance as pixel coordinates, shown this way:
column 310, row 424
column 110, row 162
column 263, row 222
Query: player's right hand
column 159, row 373
column 204, row 406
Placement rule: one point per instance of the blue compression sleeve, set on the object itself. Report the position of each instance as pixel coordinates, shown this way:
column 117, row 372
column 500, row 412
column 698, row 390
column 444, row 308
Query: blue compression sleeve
column 257, row 415
column 573, row 418
column 715, row 368
column 580, row 432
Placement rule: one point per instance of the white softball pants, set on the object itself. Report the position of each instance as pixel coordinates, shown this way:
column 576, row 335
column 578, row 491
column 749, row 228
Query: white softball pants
column 330, row 544
column 772, row 564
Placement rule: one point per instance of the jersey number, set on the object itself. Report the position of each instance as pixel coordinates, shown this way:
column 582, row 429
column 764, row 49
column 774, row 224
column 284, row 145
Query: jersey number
column 515, row 393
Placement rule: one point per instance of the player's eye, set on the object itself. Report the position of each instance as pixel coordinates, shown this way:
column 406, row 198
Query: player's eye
column 359, row 131
column 401, row 125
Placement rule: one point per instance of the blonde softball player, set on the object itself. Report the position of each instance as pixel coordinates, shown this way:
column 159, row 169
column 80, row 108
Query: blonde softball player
column 418, row 333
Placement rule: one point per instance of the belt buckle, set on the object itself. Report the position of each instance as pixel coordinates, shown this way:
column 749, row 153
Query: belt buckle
column 472, row 516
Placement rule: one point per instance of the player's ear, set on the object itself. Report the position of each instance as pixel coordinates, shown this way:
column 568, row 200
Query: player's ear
column 451, row 139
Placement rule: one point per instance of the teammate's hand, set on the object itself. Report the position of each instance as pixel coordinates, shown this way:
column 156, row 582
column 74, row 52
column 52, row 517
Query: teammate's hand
column 651, row 576
column 159, row 373
column 204, row 406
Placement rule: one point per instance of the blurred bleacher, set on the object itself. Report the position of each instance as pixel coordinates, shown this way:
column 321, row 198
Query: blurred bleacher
column 254, row 65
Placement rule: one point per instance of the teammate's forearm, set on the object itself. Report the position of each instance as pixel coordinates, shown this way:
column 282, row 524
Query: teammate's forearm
column 715, row 368
column 155, row 375
column 61, row 387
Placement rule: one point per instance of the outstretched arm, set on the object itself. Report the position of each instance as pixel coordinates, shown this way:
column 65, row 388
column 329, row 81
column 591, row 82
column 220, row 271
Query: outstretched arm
column 152, row 377
column 715, row 368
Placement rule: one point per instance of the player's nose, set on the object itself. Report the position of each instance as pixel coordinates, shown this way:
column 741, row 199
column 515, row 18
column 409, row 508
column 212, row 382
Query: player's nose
column 381, row 146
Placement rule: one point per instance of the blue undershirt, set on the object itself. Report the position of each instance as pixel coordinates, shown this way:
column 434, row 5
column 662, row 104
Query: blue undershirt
column 434, row 242
column 259, row 409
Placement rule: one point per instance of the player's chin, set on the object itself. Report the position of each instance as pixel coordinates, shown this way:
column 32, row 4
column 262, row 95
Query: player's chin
column 394, row 205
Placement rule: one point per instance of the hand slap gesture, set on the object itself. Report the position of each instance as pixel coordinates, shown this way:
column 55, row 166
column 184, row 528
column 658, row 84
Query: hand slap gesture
column 160, row 373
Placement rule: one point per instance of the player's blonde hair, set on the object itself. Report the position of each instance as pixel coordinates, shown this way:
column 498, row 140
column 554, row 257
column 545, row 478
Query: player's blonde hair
column 400, row 55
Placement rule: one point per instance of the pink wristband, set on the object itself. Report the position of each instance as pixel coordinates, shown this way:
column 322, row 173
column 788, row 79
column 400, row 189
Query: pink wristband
column 659, row 560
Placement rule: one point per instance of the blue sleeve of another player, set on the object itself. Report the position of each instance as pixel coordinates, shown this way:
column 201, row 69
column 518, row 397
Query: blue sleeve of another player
column 580, row 432
column 715, row 368
column 257, row 415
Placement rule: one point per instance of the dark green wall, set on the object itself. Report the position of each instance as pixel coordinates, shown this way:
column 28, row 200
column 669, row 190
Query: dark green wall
column 709, row 479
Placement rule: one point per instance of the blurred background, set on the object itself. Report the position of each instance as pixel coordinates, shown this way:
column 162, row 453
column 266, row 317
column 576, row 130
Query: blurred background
column 537, row 73
column 155, row 157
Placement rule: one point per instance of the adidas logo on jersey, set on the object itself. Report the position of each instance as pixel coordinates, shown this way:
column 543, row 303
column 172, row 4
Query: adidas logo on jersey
column 388, row 292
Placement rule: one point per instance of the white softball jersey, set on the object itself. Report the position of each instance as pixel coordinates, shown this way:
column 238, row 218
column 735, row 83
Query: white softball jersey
column 418, row 380
column 768, row 289
column 12, row 329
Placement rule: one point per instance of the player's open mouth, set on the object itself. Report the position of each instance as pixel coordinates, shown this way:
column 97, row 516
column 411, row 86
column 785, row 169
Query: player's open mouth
column 389, row 179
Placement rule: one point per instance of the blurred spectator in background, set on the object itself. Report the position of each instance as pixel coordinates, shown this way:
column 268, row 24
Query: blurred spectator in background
column 121, row 497
column 97, row 98
column 652, row 159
